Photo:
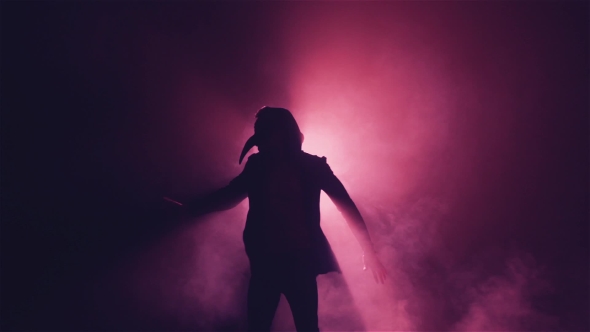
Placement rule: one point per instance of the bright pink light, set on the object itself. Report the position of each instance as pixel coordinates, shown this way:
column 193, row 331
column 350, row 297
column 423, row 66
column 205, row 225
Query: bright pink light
column 358, row 105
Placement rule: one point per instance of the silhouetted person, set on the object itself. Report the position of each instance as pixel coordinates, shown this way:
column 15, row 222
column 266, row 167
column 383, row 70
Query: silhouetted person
column 283, row 239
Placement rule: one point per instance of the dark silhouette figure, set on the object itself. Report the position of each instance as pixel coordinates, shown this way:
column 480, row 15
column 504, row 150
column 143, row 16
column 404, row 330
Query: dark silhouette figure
column 283, row 238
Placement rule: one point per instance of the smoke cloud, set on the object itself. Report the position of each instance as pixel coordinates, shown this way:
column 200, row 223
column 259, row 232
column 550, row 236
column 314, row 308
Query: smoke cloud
column 417, row 114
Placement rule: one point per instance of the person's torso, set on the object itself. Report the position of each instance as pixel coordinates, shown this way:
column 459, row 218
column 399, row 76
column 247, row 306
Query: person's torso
column 283, row 225
column 286, row 227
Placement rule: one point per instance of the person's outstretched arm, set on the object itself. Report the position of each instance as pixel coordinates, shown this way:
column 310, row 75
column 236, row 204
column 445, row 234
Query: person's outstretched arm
column 218, row 200
column 221, row 199
column 338, row 194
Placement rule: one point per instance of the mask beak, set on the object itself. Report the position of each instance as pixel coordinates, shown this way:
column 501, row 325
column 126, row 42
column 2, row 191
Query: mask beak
column 250, row 143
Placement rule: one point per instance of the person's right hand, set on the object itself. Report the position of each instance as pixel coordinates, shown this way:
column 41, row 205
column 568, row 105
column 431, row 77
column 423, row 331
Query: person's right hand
column 172, row 209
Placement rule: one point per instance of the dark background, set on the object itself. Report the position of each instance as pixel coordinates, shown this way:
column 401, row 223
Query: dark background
column 88, row 143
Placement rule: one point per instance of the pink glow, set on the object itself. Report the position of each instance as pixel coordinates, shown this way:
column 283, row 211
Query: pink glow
column 377, row 94
column 358, row 105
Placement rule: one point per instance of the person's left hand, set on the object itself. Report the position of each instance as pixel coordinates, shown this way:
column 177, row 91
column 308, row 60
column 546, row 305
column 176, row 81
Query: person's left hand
column 372, row 262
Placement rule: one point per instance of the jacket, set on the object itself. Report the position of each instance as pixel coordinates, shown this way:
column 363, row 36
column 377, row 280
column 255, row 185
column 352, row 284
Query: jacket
column 315, row 175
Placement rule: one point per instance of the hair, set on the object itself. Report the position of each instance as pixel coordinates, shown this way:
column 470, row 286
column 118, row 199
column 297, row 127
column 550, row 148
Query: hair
column 273, row 117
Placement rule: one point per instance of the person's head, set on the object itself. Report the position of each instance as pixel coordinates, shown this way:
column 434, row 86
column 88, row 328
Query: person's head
column 275, row 132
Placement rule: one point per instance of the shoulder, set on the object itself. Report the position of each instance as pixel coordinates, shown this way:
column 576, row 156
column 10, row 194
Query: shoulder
column 313, row 159
column 318, row 165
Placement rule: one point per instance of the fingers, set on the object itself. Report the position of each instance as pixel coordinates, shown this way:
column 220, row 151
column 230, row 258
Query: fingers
column 379, row 274
column 377, row 269
column 168, row 199
column 383, row 273
column 383, row 276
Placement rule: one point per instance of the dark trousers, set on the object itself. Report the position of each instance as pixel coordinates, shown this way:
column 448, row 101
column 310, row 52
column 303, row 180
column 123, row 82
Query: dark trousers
column 300, row 290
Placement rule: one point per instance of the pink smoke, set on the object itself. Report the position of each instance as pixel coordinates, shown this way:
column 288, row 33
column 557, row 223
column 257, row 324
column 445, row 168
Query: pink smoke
column 379, row 96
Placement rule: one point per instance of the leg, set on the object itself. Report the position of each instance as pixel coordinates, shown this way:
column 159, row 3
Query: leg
column 302, row 295
column 263, row 299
